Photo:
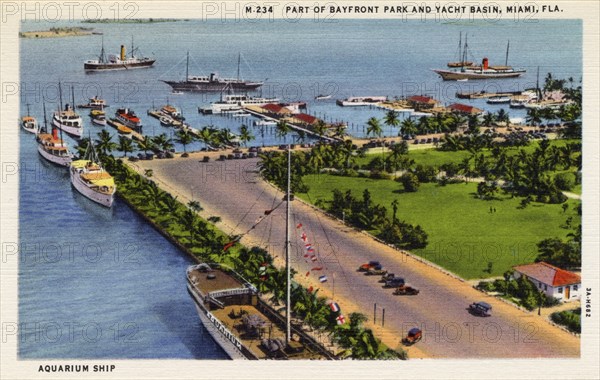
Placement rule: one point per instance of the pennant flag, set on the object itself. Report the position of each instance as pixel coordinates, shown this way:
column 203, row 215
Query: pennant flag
column 340, row 320
column 334, row 307
column 307, row 273
column 313, row 258
column 317, row 268
column 228, row 245
column 299, row 225
column 323, row 278
column 311, row 250
column 308, row 247
column 306, row 255
column 303, row 237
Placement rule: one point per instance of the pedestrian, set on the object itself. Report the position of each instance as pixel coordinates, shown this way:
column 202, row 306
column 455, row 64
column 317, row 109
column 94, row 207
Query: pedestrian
column 491, row 209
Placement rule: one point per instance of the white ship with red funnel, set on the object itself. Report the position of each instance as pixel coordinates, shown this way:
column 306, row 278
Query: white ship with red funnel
column 128, row 118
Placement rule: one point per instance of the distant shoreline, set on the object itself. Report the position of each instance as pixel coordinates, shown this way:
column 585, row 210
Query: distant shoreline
column 59, row 32
column 132, row 20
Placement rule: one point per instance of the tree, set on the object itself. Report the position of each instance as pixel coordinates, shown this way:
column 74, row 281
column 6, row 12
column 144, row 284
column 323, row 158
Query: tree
column 146, row 144
column 195, row 205
column 391, row 119
column 410, row 182
column 374, row 127
column 125, row 145
column 163, row 142
column 319, row 128
column 559, row 253
column 245, row 135
column 502, row 116
column 184, row 137
column 408, row 127
column 533, row 116
column 282, row 129
column 104, row 144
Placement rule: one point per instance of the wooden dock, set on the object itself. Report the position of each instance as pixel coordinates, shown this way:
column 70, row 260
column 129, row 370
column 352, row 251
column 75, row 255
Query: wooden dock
column 483, row 95
column 133, row 135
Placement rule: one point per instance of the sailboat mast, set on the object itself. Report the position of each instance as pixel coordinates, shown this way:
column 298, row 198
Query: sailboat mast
column 507, row 47
column 46, row 122
column 537, row 86
column 72, row 98
column 464, row 55
column 60, row 97
column 287, row 250
column 460, row 56
column 187, row 66
column 131, row 46
column 238, row 71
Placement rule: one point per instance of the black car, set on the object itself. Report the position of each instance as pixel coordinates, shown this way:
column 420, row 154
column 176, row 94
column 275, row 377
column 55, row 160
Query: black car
column 482, row 309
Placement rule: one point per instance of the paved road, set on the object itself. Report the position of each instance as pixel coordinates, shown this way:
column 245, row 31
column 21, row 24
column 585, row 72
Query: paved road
column 233, row 190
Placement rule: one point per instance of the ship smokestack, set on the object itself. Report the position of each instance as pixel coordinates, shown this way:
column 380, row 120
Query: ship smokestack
column 485, row 63
column 122, row 52
column 55, row 133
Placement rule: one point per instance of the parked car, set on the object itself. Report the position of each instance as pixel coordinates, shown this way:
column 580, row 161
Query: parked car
column 387, row 276
column 414, row 335
column 406, row 290
column 371, row 264
column 375, row 272
column 482, row 309
column 394, row 282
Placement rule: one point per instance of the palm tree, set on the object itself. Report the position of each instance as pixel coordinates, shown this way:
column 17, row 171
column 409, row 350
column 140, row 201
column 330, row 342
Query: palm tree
column 339, row 130
column 533, row 116
column 184, row 137
column 146, row 144
column 125, row 145
column 374, row 127
column 195, row 205
column 245, row 134
column 502, row 116
column 391, row 119
column 163, row 142
column 104, row 144
column 408, row 127
column 282, row 129
column 488, row 119
column 319, row 128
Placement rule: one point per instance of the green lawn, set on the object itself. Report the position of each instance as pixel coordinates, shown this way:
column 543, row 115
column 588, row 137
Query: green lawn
column 463, row 235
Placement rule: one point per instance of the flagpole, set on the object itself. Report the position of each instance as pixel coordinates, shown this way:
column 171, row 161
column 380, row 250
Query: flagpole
column 287, row 251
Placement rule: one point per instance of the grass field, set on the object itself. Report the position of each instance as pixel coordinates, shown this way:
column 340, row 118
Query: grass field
column 464, row 236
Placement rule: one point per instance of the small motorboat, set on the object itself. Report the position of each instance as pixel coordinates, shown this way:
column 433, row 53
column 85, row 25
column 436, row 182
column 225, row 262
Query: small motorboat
column 498, row 100
column 99, row 120
column 166, row 121
column 322, row 97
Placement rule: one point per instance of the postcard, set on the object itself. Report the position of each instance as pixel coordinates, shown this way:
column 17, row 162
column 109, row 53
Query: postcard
column 310, row 189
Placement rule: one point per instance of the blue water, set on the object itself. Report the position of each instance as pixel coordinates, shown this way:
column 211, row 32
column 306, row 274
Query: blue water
column 98, row 283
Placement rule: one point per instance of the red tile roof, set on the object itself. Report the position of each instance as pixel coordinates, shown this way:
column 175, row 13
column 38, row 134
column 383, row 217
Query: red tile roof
column 421, row 99
column 271, row 107
column 548, row 274
column 305, row 118
column 463, row 108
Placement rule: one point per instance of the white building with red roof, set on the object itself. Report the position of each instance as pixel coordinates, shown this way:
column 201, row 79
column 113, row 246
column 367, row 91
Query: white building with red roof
column 553, row 281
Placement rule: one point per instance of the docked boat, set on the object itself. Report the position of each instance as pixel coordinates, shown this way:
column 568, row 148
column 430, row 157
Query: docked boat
column 261, row 123
column 462, row 54
column 90, row 179
column 123, row 130
column 118, row 62
column 356, row 101
column 29, row 123
column 172, row 112
column 52, row 147
column 99, row 120
column 67, row 119
column 128, row 118
column 498, row 100
column 322, row 97
column 166, row 121
column 235, row 103
column 485, row 71
column 94, row 103
column 238, row 319
column 212, row 82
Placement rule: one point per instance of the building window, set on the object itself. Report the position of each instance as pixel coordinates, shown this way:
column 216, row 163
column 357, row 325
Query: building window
column 574, row 288
column 539, row 285
column 545, row 287
column 560, row 290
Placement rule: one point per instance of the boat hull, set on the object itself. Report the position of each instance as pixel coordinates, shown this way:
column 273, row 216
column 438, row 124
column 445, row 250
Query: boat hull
column 58, row 160
column 100, row 122
column 103, row 199
column 117, row 66
column 76, row 131
column 220, row 333
column 458, row 75
column 212, row 86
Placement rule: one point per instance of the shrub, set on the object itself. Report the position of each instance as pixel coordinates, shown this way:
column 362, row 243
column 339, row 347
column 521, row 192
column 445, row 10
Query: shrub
column 486, row 286
column 410, row 182
column 426, row 173
column 570, row 319
column 565, row 181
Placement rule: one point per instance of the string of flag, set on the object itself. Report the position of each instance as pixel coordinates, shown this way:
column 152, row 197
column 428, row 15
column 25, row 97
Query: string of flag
column 311, row 255
column 256, row 223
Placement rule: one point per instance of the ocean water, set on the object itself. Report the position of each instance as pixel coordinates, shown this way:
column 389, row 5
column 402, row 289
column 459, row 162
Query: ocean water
column 99, row 283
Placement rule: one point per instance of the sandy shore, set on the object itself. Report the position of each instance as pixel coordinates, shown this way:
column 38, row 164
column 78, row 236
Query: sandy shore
column 240, row 199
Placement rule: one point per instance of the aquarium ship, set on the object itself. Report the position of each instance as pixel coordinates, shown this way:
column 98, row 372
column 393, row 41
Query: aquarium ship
column 118, row 62
column 212, row 82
